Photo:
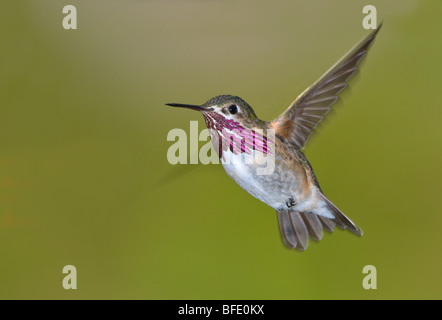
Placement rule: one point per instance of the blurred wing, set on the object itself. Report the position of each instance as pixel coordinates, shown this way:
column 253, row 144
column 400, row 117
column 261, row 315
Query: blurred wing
column 298, row 122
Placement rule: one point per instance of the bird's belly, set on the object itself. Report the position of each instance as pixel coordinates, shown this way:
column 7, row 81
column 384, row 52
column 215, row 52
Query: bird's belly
column 269, row 186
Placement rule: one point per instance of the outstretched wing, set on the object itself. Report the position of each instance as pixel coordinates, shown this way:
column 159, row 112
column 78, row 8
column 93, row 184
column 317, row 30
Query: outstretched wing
column 298, row 122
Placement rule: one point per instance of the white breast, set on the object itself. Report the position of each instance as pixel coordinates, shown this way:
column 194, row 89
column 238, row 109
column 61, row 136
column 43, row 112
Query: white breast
column 243, row 170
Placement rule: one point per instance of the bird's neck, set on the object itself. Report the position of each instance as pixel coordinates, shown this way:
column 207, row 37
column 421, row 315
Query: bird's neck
column 227, row 135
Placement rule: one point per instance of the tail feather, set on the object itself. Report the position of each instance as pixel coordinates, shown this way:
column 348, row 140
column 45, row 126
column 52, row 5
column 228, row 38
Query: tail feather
column 293, row 229
column 301, row 230
column 287, row 230
column 296, row 227
column 327, row 223
column 313, row 224
column 341, row 219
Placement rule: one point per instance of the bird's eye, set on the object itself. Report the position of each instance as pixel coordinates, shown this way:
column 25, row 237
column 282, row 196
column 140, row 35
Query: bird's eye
column 233, row 109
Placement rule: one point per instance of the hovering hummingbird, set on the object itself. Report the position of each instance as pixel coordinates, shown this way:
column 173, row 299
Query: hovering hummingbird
column 291, row 188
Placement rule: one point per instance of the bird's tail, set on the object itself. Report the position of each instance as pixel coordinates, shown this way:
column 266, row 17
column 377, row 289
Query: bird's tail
column 341, row 220
column 296, row 227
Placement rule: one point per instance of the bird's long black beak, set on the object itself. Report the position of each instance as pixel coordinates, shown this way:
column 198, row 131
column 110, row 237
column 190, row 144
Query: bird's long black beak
column 189, row 106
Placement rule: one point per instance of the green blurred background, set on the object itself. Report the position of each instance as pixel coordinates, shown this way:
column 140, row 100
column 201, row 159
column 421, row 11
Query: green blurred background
column 84, row 177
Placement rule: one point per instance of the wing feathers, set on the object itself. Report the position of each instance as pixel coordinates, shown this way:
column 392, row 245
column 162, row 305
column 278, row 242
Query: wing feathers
column 315, row 102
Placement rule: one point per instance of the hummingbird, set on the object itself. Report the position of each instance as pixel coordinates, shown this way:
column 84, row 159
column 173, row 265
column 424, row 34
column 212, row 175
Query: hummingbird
column 242, row 140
